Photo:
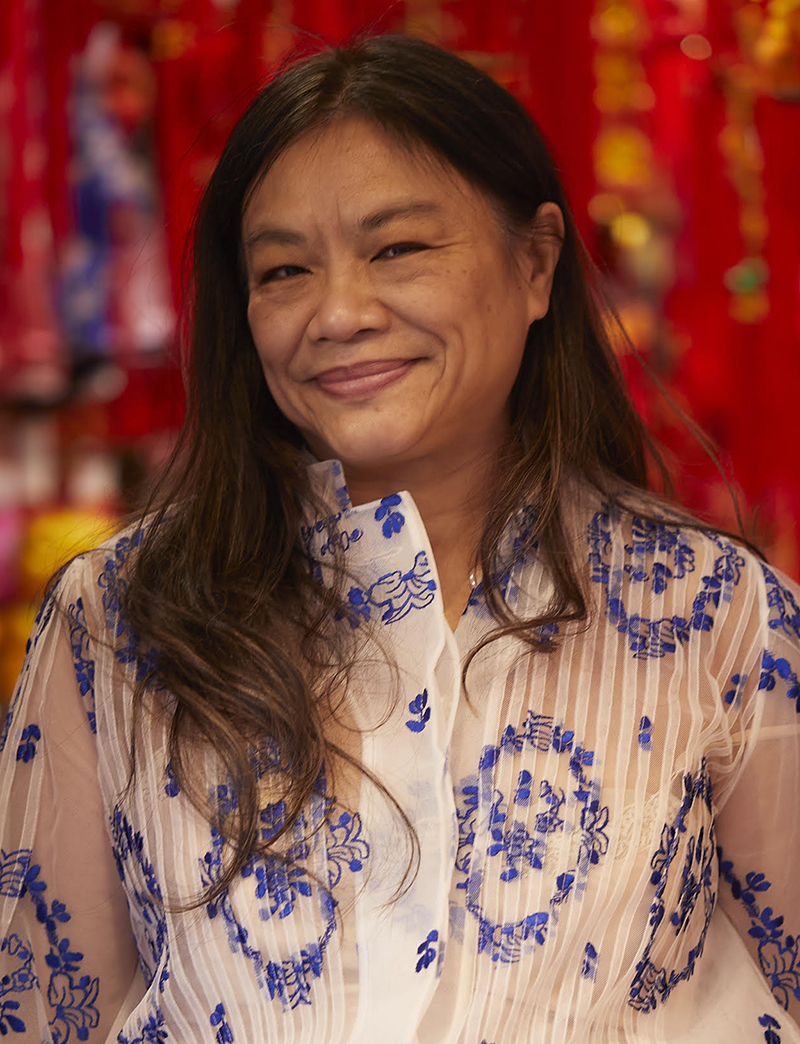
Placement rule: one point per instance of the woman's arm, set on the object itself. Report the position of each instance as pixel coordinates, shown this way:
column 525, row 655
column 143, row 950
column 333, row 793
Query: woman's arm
column 758, row 829
column 67, row 954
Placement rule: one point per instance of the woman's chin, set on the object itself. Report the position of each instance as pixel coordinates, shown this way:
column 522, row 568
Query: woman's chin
column 365, row 454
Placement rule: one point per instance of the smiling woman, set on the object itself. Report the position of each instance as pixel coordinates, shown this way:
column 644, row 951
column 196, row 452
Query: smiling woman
column 404, row 711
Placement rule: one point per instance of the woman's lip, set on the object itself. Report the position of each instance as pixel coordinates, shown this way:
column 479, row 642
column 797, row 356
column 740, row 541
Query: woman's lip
column 363, row 379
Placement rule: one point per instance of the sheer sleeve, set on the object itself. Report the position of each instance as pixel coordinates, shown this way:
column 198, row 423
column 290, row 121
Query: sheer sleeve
column 758, row 829
column 67, row 955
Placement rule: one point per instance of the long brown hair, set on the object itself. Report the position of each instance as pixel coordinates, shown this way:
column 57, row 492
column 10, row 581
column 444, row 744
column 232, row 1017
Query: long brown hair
column 220, row 585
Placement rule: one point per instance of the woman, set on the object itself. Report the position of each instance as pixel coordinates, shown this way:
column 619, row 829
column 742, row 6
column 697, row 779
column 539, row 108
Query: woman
column 242, row 731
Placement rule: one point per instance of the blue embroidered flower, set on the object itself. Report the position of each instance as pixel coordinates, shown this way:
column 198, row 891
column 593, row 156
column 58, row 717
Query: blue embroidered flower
column 562, row 740
column 733, row 697
column 358, row 607
column 393, row 520
column 8, row 1020
column 655, row 637
column 224, row 1035
column 778, row 953
column 522, row 849
column 23, row 977
column 152, row 1031
column 522, row 795
column 427, row 950
column 81, row 657
column 784, row 613
column 772, row 666
column 770, row 1036
column 144, row 896
column 589, row 966
column 172, row 787
column 72, row 998
column 29, row 737
column 289, row 980
column 645, row 733
column 13, row 871
column 346, row 847
column 651, row 984
column 419, row 707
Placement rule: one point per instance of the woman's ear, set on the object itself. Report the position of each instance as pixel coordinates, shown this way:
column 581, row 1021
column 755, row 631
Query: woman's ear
column 543, row 251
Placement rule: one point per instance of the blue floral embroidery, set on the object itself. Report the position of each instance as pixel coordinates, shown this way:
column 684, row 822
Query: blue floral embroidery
column 649, row 539
column 13, row 868
column 9, row 1021
column 778, row 954
column 144, row 896
column 393, row 520
column 645, row 733
column 345, row 846
column 651, row 984
column 43, row 618
column 81, row 657
column 224, row 1034
column 172, row 788
column 72, row 998
column 523, row 849
column 289, row 980
column 784, row 613
column 332, row 540
column 284, row 881
column 421, row 711
column 396, row 593
column 29, row 737
column 113, row 586
column 589, row 966
column 770, row 1024
column 772, row 667
column 733, row 696
column 656, row 637
column 24, row 977
column 427, row 950
column 152, row 1031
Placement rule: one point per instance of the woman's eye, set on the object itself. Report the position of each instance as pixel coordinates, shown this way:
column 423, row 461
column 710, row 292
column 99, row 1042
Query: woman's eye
column 275, row 275
column 400, row 249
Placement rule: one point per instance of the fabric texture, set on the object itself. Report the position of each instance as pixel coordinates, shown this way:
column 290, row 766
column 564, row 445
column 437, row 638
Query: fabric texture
column 609, row 834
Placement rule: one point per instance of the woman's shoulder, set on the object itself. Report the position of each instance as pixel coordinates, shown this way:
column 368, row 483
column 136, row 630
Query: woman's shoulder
column 665, row 578
column 92, row 583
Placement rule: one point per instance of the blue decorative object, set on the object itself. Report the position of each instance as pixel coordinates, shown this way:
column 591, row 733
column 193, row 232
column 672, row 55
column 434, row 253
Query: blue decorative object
column 421, row 711
column 427, row 950
column 393, row 521
column 71, row 996
column 29, row 737
column 773, row 667
column 521, row 849
column 657, row 636
column 652, row 984
column 82, row 660
column 224, row 1034
column 589, row 965
column 778, row 952
column 645, row 733
column 771, row 1025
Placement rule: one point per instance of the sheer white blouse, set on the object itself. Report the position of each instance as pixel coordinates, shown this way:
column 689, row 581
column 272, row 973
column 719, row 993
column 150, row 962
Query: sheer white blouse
column 609, row 834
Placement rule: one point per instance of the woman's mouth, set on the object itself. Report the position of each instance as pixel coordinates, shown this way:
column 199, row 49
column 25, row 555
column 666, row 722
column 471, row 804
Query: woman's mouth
column 363, row 379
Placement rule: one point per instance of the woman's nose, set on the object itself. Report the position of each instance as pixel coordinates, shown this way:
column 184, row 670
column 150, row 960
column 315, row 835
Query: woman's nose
column 347, row 307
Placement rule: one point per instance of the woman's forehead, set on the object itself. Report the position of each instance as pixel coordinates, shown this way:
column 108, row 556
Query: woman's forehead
column 357, row 166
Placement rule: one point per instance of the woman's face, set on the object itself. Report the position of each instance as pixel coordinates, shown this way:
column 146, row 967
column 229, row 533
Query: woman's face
column 388, row 307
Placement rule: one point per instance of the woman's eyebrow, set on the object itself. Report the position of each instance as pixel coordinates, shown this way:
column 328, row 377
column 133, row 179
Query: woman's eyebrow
column 264, row 235
column 378, row 218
